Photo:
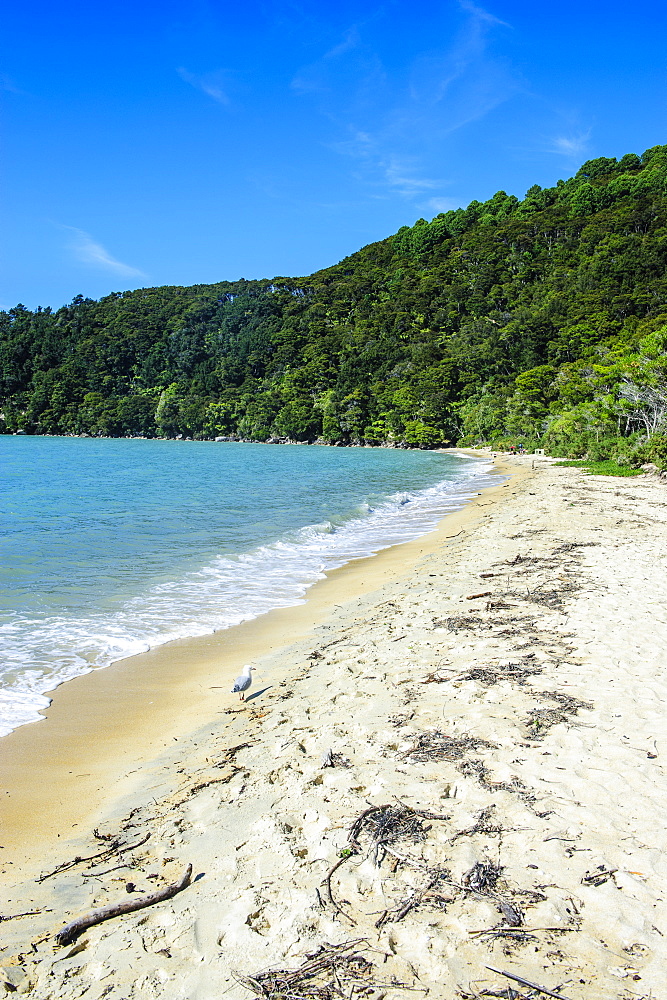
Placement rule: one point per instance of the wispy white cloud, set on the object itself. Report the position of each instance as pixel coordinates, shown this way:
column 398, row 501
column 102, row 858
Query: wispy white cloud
column 463, row 82
column 209, row 83
column 325, row 74
column 441, row 204
column 401, row 174
column 351, row 40
column 86, row 250
column 394, row 124
column 9, row 86
column 481, row 14
column 572, row 145
column 403, row 177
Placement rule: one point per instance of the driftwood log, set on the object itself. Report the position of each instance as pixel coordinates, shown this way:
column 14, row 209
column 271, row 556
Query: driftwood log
column 72, row 930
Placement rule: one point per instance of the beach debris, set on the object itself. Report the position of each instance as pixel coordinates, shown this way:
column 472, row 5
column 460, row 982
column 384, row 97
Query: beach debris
column 482, row 824
column 569, row 546
column 498, row 606
column 552, row 599
column 388, row 824
column 71, row 931
column 540, row 720
column 482, row 879
column 436, row 745
column 227, row 761
column 383, row 826
column 402, row 719
column 459, row 622
column 330, row 972
column 332, row 759
column 522, row 934
column 475, row 597
column 243, row 682
column 601, row 875
column 438, row 877
column 515, row 673
column 346, row 853
column 15, row 916
column 512, row 914
column 527, row 982
column 116, row 847
column 435, row 678
column 483, row 876
column 477, row 769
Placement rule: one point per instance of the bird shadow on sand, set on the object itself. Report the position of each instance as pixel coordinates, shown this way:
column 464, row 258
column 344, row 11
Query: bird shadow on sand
column 256, row 694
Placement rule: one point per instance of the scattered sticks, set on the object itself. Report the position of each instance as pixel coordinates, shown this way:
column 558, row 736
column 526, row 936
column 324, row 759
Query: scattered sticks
column 600, row 876
column 388, row 824
column 482, row 824
column 114, row 848
column 437, row 877
column 436, row 745
column 540, row 720
column 458, row 623
column 331, row 972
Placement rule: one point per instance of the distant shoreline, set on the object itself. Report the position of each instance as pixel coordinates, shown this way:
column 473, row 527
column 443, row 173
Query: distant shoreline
column 400, row 445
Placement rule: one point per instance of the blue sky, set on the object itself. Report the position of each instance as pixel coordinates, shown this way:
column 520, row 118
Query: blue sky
column 168, row 143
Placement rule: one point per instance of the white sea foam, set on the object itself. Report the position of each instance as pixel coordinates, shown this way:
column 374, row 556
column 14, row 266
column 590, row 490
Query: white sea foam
column 40, row 654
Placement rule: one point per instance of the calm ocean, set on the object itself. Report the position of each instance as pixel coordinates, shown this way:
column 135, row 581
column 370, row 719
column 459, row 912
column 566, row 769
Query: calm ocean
column 110, row 547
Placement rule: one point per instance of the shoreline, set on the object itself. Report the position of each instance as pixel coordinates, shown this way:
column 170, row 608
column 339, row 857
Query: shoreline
column 129, row 709
column 500, row 690
column 75, row 645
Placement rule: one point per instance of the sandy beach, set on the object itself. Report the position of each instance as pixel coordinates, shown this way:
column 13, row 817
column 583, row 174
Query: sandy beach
column 452, row 757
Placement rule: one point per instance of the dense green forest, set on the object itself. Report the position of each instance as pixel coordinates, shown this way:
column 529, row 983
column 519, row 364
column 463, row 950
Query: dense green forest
column 542, row 322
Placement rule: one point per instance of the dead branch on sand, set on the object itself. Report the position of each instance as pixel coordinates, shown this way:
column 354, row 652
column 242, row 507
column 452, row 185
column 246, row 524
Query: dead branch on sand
column 72, row 930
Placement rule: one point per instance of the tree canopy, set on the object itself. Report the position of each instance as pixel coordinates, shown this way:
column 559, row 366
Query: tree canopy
column 541, row 320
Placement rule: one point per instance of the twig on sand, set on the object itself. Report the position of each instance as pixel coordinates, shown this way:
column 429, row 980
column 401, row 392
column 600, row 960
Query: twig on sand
column 527, row 982
column 327, row 882
column 115, row 848
column 521, row 930
column 15, row 916
column 72, row 930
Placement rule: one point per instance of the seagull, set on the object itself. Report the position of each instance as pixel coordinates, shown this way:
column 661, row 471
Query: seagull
column 242, row 683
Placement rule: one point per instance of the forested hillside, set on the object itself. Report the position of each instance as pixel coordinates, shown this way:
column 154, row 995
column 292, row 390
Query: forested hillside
column 542, row 321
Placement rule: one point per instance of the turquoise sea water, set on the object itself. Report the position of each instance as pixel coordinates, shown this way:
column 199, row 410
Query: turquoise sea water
column 110, row 547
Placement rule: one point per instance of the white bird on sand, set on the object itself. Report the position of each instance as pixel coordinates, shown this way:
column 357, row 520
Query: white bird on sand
column 242, row 683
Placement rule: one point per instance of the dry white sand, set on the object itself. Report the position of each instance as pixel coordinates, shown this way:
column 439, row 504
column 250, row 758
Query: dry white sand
column 529, row 718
